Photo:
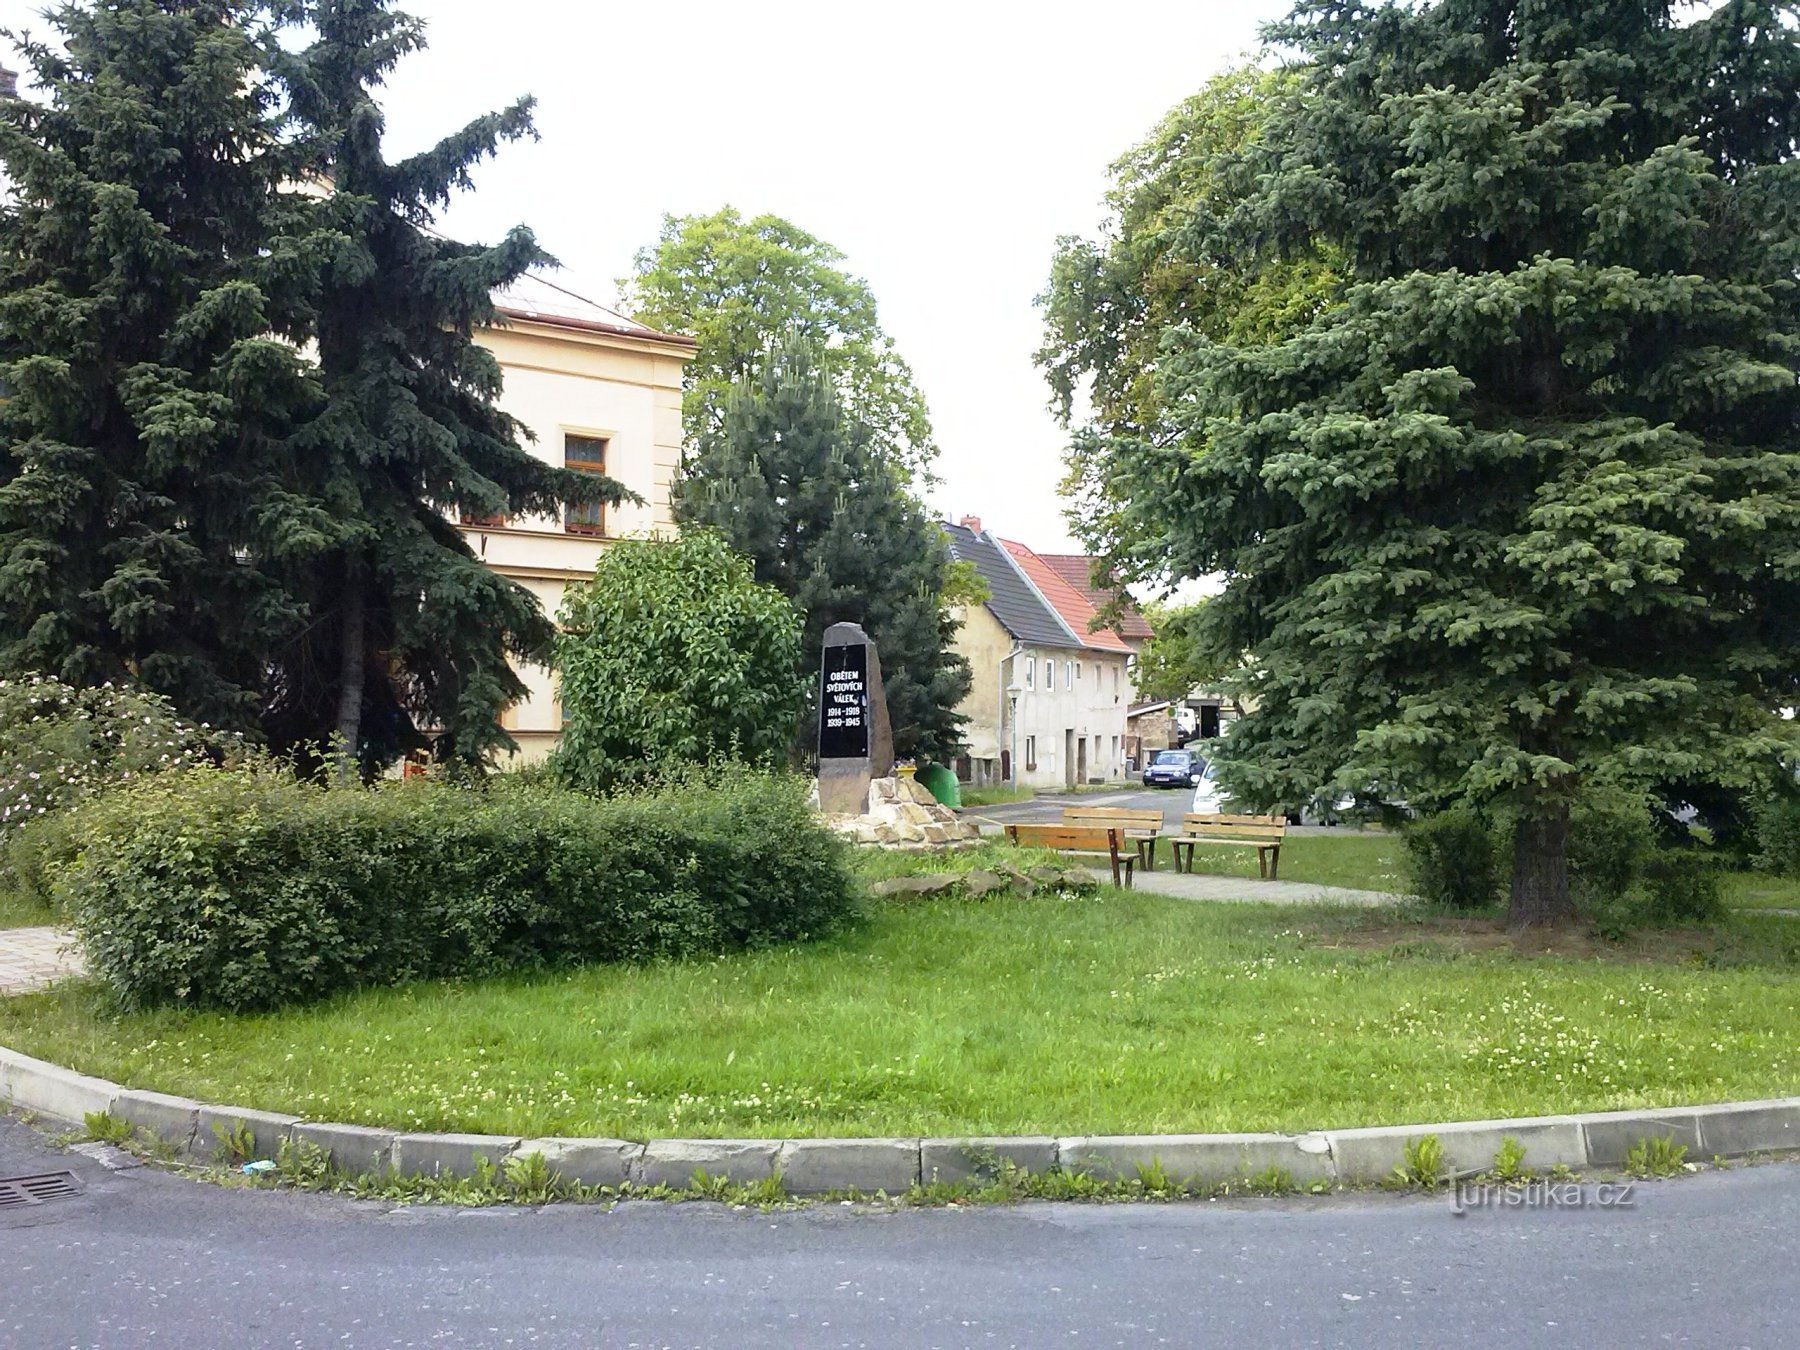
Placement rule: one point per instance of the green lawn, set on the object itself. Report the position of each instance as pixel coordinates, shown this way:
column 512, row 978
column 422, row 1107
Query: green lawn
column 18, row 912
column 1115, row 1013
column 1759, row 890
column 1365, row 860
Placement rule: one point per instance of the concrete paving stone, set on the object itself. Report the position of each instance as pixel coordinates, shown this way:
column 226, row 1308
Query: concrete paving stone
column 58, row 1093
column 171, row 1119
column 1738, row 1128
column 814, row 1166
column 267, row 1130
column 673, row 1162
column 451, row 1155
column 1370, row 1155
column 1611, row 1134
column 956, row 1160
column 590, row 1162
column 1205, row 1159
column 356, row 1149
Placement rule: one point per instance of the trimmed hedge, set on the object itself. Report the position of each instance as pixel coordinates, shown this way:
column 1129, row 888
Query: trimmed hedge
column 243, row 889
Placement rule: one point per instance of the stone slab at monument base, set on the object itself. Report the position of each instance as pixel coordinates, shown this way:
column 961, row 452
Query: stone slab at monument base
column 902, row 814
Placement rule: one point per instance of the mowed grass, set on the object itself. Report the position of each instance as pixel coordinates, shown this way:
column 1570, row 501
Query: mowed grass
column 1363, row 860
column 1760, row 890
column 18, row 912
column 1118, row 1012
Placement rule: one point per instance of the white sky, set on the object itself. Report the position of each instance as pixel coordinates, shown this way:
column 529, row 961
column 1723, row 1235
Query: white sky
column 942, row 147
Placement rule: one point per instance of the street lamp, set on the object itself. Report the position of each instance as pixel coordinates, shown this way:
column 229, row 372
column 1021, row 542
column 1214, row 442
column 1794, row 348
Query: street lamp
column 1013, row 690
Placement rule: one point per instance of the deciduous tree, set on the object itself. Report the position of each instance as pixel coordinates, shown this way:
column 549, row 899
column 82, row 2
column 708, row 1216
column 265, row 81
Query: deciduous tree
column 794, row 483
column 741, row 287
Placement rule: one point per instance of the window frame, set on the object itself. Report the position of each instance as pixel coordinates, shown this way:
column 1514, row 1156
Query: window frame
column 575, row 519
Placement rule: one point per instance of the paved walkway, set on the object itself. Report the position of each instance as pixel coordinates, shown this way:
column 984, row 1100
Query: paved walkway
column 31, row 958
column 1197, row 886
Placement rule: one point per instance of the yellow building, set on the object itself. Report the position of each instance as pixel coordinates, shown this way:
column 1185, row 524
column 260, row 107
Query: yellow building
column 597, row 392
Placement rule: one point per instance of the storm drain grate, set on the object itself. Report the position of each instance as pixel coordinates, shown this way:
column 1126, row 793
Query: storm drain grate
column 36, row 1190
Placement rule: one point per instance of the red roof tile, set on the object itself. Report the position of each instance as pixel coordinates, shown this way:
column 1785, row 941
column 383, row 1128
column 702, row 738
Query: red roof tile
column 1077, row 569
column 1068, row 602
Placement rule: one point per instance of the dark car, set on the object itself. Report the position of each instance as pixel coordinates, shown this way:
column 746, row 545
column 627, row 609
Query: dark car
column 1174, row 768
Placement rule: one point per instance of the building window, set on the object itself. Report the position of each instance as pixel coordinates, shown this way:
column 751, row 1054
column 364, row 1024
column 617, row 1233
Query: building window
column 1049, row 675
column 1115, row 679
column 585, row 454
column 1030, row 753
column 1031, row 672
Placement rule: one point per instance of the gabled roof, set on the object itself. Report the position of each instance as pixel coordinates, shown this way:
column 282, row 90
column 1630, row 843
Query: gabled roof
column 536, row 299
column 1012, row 600
column 1071, row 606
column 1078, row 570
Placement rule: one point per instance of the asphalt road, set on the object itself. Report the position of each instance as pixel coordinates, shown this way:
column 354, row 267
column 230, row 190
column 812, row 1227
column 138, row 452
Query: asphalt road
column 142, row 1258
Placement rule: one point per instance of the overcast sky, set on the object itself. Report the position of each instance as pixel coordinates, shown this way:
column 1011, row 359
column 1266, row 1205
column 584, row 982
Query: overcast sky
column 942, row 147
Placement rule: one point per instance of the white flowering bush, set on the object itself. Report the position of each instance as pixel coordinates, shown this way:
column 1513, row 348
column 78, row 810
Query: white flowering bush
column 60, row 744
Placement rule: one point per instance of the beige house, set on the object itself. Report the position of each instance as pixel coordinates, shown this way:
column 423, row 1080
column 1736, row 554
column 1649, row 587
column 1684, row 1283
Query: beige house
column 1051, row 690
column 598, row 392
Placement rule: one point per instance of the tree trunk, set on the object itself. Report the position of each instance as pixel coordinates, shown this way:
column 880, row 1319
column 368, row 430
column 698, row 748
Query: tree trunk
column 1540, row 878
column 352, row 663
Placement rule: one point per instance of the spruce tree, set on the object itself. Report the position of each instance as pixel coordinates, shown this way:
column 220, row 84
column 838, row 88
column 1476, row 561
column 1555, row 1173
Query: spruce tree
column 1516, row 513
column 795, row 486
column 154, row 262
column 413, row 635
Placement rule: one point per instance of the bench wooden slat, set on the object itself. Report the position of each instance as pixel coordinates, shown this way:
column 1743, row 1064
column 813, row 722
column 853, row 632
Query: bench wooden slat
column 1263, row 833
column 1143, row 826
column 1086, row 840
column 1147, row 818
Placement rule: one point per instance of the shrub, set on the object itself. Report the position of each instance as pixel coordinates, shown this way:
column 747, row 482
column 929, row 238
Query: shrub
column 1778, row 835
column 1681, row 886
column 241, row 888
column 672, row 656
column 61, row 745
column 1611, row 834
column 1453, row 860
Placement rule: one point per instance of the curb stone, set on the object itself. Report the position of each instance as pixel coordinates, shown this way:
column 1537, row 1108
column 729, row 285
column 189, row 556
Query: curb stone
column 673, row 1162
column 448, row 1155
column 1610, row 1134
column 977, row 1160
column 267, row 1130
column 815, row 1166
column 351, row 1148
column 591, row 1162
column 1199, row 1157
column 1593, row 1140
column 171, row 1119
column 1370, row 1155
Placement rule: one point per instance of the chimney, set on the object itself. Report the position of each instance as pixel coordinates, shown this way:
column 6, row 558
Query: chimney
column 972, row 524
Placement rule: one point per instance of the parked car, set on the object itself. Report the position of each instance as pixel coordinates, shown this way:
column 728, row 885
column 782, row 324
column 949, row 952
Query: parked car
column 1174, row 768
column 1207, row 798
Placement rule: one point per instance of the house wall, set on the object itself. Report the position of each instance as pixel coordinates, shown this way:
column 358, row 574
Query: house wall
column 562, row 381
column 1053, row 718
column 984, row 644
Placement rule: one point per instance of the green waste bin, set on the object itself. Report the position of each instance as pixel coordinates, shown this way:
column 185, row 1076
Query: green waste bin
column 941, row 783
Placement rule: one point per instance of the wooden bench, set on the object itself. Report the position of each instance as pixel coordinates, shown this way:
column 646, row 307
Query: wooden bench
column 1263, row 833
column 1092, row 841
column 1141, row 827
